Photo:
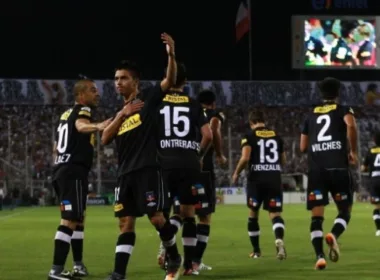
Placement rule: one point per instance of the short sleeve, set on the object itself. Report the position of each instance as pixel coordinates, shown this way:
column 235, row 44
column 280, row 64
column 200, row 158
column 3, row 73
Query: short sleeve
column 348, row 110
column 244, row 141
column 305, row 128
column 220, row 116
column 84, row 113
column 201, row 116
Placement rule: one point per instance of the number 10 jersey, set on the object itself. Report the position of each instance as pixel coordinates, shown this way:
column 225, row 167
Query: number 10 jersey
column 74, row 147
column 327, row 135
column 180, row 119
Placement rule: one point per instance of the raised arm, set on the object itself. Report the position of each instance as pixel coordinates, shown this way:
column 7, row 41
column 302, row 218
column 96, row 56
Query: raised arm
column 171, row 72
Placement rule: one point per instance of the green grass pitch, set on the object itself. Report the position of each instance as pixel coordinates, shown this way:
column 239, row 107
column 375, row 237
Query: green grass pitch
column 26, row 246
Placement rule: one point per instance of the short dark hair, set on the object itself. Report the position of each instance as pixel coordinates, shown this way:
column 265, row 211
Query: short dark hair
column 206, row 97
column 256, row 116
column 330, row 88
column 130, row 66
column 376, row 138
column 81, row 85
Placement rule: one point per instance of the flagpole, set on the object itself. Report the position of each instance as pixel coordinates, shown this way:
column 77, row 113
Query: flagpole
column 250, row 40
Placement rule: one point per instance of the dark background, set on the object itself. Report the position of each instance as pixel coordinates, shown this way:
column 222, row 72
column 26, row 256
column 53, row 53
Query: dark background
column 61, row 39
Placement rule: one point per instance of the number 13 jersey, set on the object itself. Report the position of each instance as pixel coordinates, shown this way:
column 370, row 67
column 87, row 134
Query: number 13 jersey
column 327, row 134
column 74, row 147
column 180, row 119
column 266, row 150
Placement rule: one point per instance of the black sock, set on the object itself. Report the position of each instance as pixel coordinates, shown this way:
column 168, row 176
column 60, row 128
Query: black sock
column 340, row 224
column 61, row 247
column 376, row 218
column 203, row 233
column 124, row 248
column 254, row 234
column 316, row 233
column 168, row 239
column 278, row 227
column 77, row 245
column 189, row 240
column 176, row 223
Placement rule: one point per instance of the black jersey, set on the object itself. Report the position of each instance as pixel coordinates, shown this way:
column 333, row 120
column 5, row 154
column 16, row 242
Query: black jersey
column 314, row 48
column 208, row 160
column 327, row 134
column 135, row 140
column 365, row 51
column 341, row 52
column 179, row 120
column 74, row 147
column 266, row 149
column 372, row 160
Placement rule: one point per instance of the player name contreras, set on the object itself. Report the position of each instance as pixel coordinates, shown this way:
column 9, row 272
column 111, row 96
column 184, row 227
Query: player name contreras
column 326, row 146
column 266, row 167
column 179, row 143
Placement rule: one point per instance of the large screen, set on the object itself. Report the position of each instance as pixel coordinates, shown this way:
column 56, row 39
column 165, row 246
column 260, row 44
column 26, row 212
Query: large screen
column 335, row 42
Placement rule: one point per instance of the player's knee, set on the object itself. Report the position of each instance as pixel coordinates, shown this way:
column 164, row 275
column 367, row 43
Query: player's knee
column 316, row 223
column 205, row 219
column 69, row 223
column 273, row 215
column 127, row 224
column 187, row 211
column 253, row 213
column 157, row 220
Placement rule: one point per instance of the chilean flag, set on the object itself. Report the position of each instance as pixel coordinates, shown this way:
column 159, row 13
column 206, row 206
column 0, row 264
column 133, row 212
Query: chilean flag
column 242, row 20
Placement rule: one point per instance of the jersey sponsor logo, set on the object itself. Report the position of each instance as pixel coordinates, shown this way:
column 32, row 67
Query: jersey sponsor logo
column 176, row 99
column 265, row 133
column 325, row 109
column 266, row 167
column 130, row 123
column 66, row 115
column 178, row 143
column 375, row 151
column 326, row 146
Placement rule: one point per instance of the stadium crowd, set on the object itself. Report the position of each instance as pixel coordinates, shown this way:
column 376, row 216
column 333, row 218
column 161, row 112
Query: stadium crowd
column 32, row 128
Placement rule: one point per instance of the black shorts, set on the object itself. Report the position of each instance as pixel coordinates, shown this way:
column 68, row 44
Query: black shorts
column 140, row 192
column 375, row 190
column 71, row 187
column 182, row 186
column 207, row 201
column 321, row 182
column 267, row 194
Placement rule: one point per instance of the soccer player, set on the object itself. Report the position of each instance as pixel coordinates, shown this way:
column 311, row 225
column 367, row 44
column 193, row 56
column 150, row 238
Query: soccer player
column 73, row 150
column 372, row 164
column 207, row 99
column 139, row 189
column 263, row 151
column 324, row 138
column 180, row 119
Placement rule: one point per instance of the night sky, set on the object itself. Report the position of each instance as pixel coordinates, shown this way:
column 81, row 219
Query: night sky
column 63, row 38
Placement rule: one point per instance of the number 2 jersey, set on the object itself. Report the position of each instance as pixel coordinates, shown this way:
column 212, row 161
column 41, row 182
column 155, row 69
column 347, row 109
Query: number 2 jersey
column 73, row 147
column 266, row 150
column 327, row 135
column 179, row 121
column 372, row 160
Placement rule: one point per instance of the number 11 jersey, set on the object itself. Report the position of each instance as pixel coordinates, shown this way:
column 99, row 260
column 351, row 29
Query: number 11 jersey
column 179, row 121
column 327, row 134
column 74, row 147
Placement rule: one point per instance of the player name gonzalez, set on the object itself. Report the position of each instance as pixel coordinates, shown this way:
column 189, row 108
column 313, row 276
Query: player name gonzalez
column 326, row 146
column 265, row 167
column 177, row 143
